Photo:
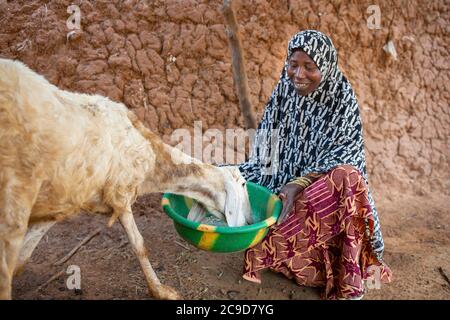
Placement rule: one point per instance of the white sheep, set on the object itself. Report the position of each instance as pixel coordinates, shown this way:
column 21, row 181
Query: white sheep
column 64, row 152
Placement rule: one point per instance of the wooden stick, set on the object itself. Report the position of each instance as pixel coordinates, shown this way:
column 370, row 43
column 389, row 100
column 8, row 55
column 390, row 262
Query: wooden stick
column 444, row 275
column 54, row 277
column 74, row 250
column 239, row 74
column 198, row 294
column 182, row 245
column 178, row 276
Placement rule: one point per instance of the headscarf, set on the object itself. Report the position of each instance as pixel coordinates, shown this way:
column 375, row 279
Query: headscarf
column 315, row 133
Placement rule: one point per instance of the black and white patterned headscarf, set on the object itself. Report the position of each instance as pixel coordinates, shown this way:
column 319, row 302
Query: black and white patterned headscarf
column 315, row 133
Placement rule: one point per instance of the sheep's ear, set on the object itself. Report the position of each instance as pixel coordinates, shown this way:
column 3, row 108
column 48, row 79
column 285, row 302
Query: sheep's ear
column 247, row 207
column 233, row 203
column 197, row 212
column 244, row 199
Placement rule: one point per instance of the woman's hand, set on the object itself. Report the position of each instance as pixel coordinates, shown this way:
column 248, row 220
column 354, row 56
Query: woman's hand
column 287, row 195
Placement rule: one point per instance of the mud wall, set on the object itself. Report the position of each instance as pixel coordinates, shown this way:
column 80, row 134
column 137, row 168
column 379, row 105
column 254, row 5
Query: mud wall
column 169, row 61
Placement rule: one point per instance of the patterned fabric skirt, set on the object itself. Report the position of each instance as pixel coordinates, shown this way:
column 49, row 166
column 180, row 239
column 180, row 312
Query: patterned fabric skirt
column 325, row 240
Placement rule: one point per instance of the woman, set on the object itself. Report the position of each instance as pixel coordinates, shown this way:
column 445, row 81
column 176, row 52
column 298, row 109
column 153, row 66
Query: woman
column 328, row 234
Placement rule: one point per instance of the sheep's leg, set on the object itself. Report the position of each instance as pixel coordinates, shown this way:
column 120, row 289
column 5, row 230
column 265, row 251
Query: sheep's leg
column 16, row 200
column 32, row 239
column 158, row 290
column 10, row 243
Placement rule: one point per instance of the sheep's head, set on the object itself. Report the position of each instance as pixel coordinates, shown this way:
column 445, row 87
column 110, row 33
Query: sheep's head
column 233, row 205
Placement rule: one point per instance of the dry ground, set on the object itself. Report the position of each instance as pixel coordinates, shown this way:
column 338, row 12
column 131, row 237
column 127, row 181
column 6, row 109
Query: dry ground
column 416, row 232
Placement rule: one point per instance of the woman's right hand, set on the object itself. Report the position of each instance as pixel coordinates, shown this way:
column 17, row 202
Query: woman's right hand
column 288, row 194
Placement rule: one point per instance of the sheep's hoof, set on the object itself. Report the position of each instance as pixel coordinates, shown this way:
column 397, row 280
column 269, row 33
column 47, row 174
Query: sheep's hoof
column 5, row 295
column 163, row 292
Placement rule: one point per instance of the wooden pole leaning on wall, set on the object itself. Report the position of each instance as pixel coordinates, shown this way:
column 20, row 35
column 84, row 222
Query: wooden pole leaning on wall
column 237, row 58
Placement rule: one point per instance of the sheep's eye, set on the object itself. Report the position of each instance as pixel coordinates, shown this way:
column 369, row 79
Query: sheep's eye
column 243, row 184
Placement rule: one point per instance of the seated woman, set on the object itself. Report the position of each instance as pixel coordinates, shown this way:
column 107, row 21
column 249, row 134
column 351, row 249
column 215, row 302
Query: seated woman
column 328, row 234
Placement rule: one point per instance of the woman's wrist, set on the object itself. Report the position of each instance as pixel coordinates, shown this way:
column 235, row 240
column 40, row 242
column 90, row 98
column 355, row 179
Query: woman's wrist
column 301, row 181
column 306, row 180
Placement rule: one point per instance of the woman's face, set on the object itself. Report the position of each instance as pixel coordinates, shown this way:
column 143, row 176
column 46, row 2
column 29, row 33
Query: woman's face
column 303, row 72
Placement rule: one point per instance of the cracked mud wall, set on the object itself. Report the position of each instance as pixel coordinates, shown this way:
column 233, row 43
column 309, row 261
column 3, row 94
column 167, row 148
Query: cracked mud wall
column 169, row 61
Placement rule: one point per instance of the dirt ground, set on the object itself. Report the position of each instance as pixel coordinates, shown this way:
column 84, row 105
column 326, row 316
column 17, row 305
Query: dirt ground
column 417, row 250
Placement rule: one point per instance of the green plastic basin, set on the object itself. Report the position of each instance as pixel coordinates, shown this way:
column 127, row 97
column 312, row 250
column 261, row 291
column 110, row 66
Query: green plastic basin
column 266, row 208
